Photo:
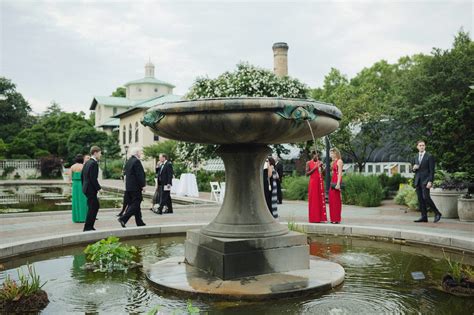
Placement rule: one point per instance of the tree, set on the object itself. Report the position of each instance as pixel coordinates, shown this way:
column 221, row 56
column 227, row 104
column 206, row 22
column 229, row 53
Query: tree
column 168, row 147
column 434, row 102
column 63, row 135
column 53, row 109
column 120, row 92
column 14, row 111
column 363, row 102
column 246, row 80
column 3, row 149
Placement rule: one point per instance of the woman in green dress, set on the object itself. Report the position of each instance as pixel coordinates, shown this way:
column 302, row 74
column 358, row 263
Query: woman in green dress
column 79, row 200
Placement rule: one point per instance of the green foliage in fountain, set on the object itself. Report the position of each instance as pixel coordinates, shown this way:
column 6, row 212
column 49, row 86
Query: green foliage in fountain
column 109, row 255
column 24, row 294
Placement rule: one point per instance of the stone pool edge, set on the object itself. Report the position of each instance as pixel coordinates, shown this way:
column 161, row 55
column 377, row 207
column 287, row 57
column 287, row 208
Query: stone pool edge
column 458, row 243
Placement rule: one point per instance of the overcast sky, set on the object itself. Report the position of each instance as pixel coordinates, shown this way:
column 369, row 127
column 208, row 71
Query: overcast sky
column 70, row 50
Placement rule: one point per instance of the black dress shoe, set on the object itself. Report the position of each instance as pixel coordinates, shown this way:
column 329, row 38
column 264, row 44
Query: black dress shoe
column 87, row 230
column 141, row 224
column 121, row 222
column 421, row 220
column 437, row 217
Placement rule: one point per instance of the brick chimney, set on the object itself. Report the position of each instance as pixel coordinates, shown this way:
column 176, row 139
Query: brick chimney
column 280, row 59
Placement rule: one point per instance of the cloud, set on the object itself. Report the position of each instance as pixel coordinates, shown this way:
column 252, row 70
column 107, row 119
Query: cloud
column 72, row 50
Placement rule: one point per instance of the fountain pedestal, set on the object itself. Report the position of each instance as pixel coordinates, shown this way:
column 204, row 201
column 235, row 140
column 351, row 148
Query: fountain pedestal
column 244, row 239
column 232, row 258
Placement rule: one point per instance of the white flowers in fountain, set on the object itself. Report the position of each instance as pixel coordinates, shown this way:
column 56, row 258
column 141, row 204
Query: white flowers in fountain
column 246, row 81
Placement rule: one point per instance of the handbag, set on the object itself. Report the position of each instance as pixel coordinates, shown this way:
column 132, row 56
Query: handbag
column 333, row 185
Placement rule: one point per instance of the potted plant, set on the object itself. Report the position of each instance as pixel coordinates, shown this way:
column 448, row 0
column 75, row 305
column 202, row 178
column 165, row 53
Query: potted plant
column 447, row 187
column 466, row 205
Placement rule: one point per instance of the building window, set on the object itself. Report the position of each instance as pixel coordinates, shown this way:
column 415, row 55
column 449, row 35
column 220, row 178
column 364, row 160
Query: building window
column 377, row 168
column 136, row 132
column 130, row 133
column 114, row 110
column 156, row 138
column 403, row 168
column 124, row 134
column 370, row 168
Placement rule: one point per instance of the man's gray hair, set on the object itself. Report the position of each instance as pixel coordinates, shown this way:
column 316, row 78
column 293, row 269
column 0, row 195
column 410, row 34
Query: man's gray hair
column 135, row 150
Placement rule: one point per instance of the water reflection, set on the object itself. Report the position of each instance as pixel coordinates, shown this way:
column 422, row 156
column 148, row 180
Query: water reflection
column 378, row 281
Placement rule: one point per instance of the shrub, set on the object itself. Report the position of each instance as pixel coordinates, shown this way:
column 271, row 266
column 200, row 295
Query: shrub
column 391, row 183
column 204, row 178
column 150, row 177
column 109, row 254
column 7, row 171
column 114, row 168
column 451, row 181
column 412, row 200
column 179, row 168
column 295, row 187
column 362, row 190
column 407, row 196
column 51, row 167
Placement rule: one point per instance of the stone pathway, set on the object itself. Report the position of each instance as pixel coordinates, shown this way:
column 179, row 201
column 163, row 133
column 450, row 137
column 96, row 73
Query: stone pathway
column 26, row 226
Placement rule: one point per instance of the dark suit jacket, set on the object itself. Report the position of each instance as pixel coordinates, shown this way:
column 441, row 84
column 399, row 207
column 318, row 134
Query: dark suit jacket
column 89, row 175
column 279, row 169
column 165, row 175
column 134, row 175
column 425, row 172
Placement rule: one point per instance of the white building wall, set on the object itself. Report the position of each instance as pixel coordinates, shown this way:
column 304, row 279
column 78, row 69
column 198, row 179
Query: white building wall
column 145, row 91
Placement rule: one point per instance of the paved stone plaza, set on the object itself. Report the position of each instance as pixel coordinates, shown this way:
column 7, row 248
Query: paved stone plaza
column 30, row 226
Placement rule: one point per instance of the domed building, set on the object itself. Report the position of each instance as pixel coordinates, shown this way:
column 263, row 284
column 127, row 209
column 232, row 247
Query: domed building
column 123, row 114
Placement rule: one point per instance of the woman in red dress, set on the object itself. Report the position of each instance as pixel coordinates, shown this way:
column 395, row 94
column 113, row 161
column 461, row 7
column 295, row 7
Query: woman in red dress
column 316, row 198
column 335, row 202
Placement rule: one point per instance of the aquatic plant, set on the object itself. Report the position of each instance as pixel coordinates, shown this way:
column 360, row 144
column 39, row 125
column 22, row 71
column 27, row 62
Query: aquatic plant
column 28, row 285
column 109, row 254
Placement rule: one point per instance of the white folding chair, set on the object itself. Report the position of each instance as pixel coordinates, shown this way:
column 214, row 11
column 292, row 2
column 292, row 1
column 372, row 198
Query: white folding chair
column 222, row 194
column 215, row 191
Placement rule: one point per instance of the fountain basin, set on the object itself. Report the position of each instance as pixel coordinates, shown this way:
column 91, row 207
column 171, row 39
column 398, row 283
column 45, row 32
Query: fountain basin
column 257, row 120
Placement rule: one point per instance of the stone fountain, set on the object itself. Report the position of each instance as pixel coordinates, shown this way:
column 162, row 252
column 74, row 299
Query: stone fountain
column 244, row 252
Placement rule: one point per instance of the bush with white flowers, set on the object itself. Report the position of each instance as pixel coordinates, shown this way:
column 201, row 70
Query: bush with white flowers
column 246, row 80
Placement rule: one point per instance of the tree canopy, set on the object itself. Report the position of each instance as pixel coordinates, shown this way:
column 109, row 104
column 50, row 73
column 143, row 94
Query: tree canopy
column 60, row 134
column 419, row 97
column 14, row 111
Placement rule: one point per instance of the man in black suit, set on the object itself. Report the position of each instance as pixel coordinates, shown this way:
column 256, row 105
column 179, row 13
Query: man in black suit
column 424, row 168
column 90, row 187
column 279, row 170
column 135, row 183
column 165, row 177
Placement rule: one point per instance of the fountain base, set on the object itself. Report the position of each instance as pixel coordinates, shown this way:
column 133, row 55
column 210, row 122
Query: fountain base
column 175, row 276
column 231, row 258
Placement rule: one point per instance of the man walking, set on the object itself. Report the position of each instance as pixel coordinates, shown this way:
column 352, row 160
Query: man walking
column 165, row 177
column 279, row 170
column 134, row 185
column 424, row 168
column 90, row 187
